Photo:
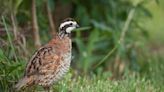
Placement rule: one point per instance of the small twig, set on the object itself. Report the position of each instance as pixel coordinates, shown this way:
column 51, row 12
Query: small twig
column 126, row 26
column 121, row 40
column 35, row 27
column 14, row 26
column 106, row 57
column 81, row 29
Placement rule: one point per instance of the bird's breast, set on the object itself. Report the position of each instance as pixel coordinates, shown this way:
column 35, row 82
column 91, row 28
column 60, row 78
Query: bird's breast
column 63, row 67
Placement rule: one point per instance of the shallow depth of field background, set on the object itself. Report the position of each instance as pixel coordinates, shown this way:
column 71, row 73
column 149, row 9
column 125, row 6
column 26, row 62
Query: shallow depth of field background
column 120, row 50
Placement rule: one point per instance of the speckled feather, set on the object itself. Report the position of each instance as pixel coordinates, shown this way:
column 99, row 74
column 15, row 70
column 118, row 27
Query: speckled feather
column 51, row 61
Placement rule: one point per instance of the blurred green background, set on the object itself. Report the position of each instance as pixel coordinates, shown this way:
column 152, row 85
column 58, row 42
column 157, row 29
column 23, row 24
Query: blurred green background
column 121, row 49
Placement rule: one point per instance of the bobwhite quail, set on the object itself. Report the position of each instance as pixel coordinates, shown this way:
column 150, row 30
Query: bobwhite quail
column 52, row 61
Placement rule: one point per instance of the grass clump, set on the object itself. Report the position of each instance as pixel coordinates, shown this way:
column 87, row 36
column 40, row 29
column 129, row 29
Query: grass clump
column 149, row 81
column 84, row 84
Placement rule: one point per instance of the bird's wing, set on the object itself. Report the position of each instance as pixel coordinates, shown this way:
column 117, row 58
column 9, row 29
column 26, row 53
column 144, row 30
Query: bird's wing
column 43, row 60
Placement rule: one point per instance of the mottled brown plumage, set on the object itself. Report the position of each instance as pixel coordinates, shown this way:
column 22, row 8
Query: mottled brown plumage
column 50, row 62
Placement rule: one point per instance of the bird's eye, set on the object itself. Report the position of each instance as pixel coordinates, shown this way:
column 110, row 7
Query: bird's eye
column 71, row 24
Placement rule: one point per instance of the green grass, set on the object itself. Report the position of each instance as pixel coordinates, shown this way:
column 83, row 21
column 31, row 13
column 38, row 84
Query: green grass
column 94, row 84
column 150, row 81
column 130, row 84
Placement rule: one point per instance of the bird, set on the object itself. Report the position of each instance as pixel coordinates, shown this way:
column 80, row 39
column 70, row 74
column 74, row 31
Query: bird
column 50, row 62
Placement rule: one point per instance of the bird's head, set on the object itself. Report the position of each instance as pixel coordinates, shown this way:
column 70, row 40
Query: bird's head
column 67, row 26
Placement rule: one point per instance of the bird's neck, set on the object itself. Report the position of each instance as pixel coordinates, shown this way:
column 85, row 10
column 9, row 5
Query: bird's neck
column 58, row 39
column 63, row 34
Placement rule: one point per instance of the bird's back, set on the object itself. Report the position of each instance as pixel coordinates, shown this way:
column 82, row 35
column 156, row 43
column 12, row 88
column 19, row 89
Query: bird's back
column 48, row 64
column 52, row 61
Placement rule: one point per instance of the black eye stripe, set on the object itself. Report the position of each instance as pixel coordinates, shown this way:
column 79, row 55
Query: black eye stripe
column 66, row 26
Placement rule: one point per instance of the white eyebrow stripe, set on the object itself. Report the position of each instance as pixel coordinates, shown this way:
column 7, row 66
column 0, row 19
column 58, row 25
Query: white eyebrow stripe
column 65, row 23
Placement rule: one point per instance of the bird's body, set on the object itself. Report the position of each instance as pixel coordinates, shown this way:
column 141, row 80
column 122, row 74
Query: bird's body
column 50, row 62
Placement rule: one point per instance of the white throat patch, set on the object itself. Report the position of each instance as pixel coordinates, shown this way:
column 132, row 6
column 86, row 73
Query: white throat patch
column 69, row 29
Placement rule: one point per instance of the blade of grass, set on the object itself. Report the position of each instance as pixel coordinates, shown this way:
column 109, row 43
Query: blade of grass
column 106, row 57
column 81, row 29
column 9, row 38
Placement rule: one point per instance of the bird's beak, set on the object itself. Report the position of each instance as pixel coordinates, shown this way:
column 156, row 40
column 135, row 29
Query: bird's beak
column 77, row 26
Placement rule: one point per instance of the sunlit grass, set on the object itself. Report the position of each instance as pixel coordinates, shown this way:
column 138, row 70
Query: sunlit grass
column 150, row 81
column 130, row 84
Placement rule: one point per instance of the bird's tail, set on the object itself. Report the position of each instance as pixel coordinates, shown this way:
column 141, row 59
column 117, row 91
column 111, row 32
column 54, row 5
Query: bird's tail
column 22, row 83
